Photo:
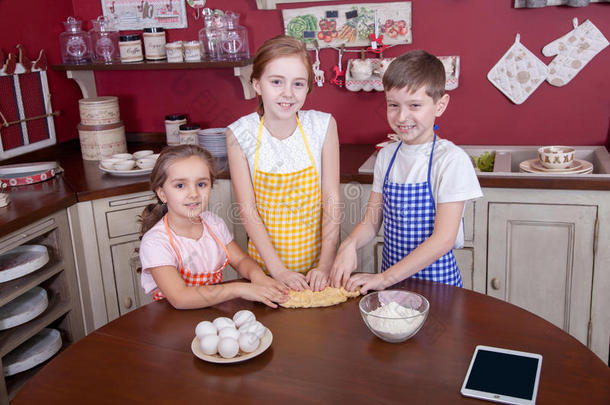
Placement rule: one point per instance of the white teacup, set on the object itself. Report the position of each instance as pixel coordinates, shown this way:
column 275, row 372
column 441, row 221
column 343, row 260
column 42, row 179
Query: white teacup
column 125, row 165
column 146, row 163
column 142, row 153
column 122, row 156
column 361, row 69
column 109, row 163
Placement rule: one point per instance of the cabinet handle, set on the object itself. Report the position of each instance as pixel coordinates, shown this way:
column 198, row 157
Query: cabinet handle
column 128, row 302
column 495, row 283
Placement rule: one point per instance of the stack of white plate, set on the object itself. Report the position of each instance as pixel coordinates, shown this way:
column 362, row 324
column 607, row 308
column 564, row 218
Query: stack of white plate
column 213, row 139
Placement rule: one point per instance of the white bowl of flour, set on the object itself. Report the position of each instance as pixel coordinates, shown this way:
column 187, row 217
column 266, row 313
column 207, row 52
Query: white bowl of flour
column 394, row 315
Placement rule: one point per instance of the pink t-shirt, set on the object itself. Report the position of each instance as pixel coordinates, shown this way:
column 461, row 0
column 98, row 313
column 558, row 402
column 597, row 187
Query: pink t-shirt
column 199, row 256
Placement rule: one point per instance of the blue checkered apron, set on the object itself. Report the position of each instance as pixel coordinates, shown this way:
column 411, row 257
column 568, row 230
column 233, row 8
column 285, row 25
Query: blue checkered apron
column 408, row 219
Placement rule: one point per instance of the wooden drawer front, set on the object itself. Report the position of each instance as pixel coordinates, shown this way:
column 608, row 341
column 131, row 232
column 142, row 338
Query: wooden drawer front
column 123, row 222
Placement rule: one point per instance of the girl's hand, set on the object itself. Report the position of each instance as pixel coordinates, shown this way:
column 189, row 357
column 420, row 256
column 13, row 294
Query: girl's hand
column 345, row 263
column 266, row 281
column 366, row 282
column 317, row 279
column 292, row 279
column 268, row 295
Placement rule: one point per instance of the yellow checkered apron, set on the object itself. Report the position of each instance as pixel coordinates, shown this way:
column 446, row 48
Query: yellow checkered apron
column 290, row 206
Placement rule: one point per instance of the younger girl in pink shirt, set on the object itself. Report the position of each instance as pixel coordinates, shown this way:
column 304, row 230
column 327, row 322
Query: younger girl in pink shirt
column 185, row 248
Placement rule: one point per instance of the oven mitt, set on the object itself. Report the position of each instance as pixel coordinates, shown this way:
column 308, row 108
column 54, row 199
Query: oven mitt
column 518, row 73
column 574, row 50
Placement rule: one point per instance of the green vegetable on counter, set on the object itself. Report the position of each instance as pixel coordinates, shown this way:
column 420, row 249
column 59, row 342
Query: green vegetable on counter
column 485, row 162
column 300, row 24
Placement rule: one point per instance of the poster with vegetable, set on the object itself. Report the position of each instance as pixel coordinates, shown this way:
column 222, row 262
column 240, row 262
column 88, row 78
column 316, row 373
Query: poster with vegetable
column 350, row 24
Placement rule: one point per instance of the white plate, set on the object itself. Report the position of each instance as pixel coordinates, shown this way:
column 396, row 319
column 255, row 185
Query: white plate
column 34, row 351
column 263, row 345
column 126, row 173
column 26, row 169
column 23, row 308
column 578, row 167
column 22, row 260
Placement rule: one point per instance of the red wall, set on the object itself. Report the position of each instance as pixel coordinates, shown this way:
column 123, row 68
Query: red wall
column 479, row 31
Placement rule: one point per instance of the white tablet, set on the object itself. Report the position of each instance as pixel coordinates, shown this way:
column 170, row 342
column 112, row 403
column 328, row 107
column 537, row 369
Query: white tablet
column 502, row 375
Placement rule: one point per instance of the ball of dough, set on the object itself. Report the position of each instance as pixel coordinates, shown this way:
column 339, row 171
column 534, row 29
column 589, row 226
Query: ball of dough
column 209, row 344
column 205, row 328
column 248, row 342
column 228, row 347
column 242, row 317
column 223, row 322
column 229, row 332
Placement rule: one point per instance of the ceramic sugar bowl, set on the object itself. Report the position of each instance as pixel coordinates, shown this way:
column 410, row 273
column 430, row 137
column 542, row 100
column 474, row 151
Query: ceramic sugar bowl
column 556, row 157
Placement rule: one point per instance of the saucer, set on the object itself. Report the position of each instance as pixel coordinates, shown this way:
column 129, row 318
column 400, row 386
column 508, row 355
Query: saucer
column 576, row 167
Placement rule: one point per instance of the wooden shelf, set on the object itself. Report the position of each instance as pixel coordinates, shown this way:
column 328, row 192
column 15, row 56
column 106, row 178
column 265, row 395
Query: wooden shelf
column 84, row 76
column 13, row 337
column 14, row 288
column 154, row 65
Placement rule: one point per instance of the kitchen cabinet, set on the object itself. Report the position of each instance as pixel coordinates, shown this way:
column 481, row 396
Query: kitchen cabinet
column 59, row 280
column 107, row 236
column 547, row 251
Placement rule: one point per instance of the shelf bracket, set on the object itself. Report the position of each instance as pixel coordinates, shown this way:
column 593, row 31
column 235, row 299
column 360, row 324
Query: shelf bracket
column 85, row 80
column 244, row 72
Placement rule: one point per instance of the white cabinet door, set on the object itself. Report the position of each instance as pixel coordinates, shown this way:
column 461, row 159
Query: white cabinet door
column 465, row 262
column 130, row 294
column 540, row 258
column 221, row 204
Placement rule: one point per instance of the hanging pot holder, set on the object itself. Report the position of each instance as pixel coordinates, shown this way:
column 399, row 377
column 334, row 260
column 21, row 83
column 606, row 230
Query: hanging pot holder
column 574, row 50
column 518, row 73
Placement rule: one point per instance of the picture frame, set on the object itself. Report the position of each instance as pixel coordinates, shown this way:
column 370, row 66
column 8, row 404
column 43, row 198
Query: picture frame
column 139, row 14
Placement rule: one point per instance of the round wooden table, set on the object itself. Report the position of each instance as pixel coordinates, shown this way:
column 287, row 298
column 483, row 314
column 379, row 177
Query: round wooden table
column 321, row 355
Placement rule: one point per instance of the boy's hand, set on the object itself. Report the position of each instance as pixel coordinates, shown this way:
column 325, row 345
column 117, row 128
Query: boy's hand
column 345, row 263
column 292, row 279
column 366, row 282
column 317, row 279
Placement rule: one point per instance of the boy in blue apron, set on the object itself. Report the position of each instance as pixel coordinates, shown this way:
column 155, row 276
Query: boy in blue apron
column 420, row 186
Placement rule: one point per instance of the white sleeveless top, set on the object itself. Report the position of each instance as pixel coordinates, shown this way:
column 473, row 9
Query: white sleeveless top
column 286, row 155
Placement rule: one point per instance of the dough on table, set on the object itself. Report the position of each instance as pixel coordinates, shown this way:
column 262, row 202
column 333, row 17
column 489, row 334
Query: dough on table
column 325, row 298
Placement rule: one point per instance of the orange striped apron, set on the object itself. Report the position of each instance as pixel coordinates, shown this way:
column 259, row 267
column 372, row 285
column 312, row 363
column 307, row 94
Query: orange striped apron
column 189, row 277
column 290, row 205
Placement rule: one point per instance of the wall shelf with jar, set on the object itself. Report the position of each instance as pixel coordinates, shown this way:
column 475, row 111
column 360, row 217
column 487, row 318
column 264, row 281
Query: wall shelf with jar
column 83, row 74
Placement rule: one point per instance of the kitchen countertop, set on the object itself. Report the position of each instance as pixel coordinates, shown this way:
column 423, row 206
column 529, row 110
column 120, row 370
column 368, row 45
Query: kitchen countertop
column 83, row 181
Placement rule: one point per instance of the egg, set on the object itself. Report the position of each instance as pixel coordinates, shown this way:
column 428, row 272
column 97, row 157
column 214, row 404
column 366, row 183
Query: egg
column 228, row 347
column 223, row 322
column 205, row 328
column 254, row 327
column 229, row 332
column 209, row 344
column 242, row 317
column 248, row 342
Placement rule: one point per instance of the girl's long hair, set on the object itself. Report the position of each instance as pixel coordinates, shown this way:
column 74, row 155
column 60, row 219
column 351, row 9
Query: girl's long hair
column 154, row 212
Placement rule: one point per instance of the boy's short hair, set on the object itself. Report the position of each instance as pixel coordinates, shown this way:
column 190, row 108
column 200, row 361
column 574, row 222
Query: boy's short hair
column 415, row 69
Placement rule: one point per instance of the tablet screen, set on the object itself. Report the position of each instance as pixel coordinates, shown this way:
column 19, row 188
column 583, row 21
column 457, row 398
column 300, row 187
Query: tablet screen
column 503, row 375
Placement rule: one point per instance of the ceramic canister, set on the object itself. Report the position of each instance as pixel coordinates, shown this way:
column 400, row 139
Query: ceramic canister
column 99, row 110
column 154, row 43
column 188, row 134
column 172, row 127
column 130, row 47
column 99, row 142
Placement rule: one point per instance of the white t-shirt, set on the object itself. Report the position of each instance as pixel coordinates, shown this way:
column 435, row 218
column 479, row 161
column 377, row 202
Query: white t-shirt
column 286, row 155
column 204, row 255
column 452, row 176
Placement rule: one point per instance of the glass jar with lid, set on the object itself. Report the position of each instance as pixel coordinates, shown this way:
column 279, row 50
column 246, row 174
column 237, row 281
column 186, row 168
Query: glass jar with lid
column 105, row 41
column 234, row 43
column 75, row 43
column 210, row 36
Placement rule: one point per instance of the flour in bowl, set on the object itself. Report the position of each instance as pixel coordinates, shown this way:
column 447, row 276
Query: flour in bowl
column 399, row 326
